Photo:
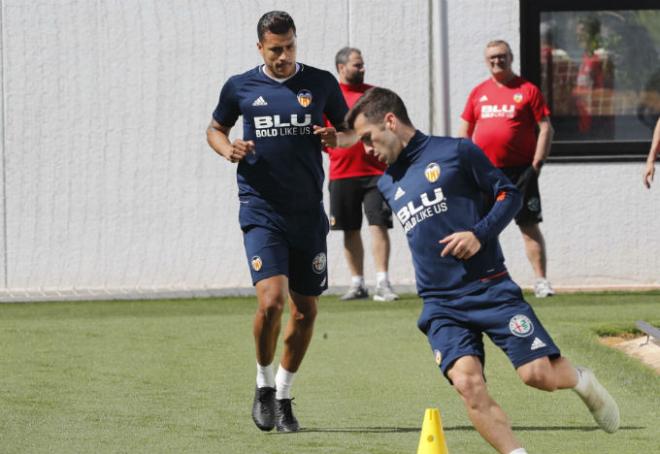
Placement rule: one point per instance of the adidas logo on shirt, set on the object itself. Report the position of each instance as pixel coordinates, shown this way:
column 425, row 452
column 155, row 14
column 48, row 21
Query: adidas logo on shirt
column 260, row 101
column 399, row 193
column 483, row 98
column 538, row 343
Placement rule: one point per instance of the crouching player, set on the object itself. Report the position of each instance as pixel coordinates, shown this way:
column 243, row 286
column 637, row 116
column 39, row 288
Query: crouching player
column 436, row 188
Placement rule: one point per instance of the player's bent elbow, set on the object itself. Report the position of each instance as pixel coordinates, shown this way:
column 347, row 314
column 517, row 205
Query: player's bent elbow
column 209, row 137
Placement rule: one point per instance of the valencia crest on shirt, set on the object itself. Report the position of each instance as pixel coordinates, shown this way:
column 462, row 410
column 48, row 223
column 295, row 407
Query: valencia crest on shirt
column 432, row 172
column 304, row 97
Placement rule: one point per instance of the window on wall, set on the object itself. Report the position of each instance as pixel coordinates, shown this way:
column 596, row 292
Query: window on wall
column 598, row 65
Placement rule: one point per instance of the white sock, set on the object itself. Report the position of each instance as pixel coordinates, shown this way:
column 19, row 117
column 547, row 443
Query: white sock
column 582, row 382
column 283, row 383
column 519, row 451
column 357, row 281
column 265, row 376
column 381, row 278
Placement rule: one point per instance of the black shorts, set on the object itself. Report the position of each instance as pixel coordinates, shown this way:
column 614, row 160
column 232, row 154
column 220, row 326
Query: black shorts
column 347, row 196
column 527, row 181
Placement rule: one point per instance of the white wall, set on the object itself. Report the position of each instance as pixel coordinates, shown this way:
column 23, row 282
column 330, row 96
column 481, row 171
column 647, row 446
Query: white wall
column 601, row 227
column 110, row 190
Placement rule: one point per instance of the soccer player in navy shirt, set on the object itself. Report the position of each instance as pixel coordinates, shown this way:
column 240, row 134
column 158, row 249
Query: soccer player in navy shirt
column 452, row 204
column 280, row 179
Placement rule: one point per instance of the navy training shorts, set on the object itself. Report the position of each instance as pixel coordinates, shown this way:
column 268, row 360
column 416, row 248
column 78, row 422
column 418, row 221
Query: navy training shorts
column 454, row 328
column 292, row 245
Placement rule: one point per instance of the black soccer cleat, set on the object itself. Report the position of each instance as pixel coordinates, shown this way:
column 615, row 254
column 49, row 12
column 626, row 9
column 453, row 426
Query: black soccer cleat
column 284, row 419
column 263, row 408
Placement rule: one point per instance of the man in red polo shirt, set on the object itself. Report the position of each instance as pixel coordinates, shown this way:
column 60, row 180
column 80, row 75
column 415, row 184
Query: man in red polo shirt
column 507, row 117
column 353, row 178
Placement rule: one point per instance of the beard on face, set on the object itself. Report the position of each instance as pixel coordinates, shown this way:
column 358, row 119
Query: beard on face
column 355, row 78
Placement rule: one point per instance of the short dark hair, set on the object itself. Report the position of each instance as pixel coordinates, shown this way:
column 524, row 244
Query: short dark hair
column 276, row 22
column 375, row 103
column 343, row 54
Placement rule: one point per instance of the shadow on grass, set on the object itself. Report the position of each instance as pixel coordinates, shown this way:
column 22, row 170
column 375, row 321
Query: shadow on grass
column 449, row 429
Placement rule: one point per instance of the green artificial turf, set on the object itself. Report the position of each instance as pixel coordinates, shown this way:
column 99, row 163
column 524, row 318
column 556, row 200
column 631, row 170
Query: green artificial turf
column 178, row 377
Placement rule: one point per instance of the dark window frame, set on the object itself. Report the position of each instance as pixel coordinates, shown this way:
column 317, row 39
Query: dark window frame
column 530, row 67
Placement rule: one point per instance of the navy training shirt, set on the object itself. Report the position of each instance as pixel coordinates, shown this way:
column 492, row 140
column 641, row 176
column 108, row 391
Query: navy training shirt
column 286, row 168
column 439, row 186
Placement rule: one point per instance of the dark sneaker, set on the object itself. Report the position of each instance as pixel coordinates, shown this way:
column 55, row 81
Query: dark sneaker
column 356, row 292
column 263, row 408
column 284, row 419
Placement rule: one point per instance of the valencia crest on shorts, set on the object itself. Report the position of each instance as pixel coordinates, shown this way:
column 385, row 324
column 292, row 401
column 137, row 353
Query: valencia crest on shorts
column 304, row 97
column 256, row 263
column 319, row 263
column 432, row 172
column 438, row 357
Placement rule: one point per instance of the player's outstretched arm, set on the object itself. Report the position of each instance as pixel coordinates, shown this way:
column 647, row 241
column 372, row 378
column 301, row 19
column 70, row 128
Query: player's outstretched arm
column 217, row 137
column 346, row 138
column 332, row 138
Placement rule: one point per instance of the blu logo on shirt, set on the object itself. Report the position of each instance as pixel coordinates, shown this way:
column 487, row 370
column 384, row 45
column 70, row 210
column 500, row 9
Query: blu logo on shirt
column 503, row 111
column 273, row 125
column 411, row 214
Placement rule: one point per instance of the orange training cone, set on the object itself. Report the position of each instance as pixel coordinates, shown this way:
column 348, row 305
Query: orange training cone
column 432, row 440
